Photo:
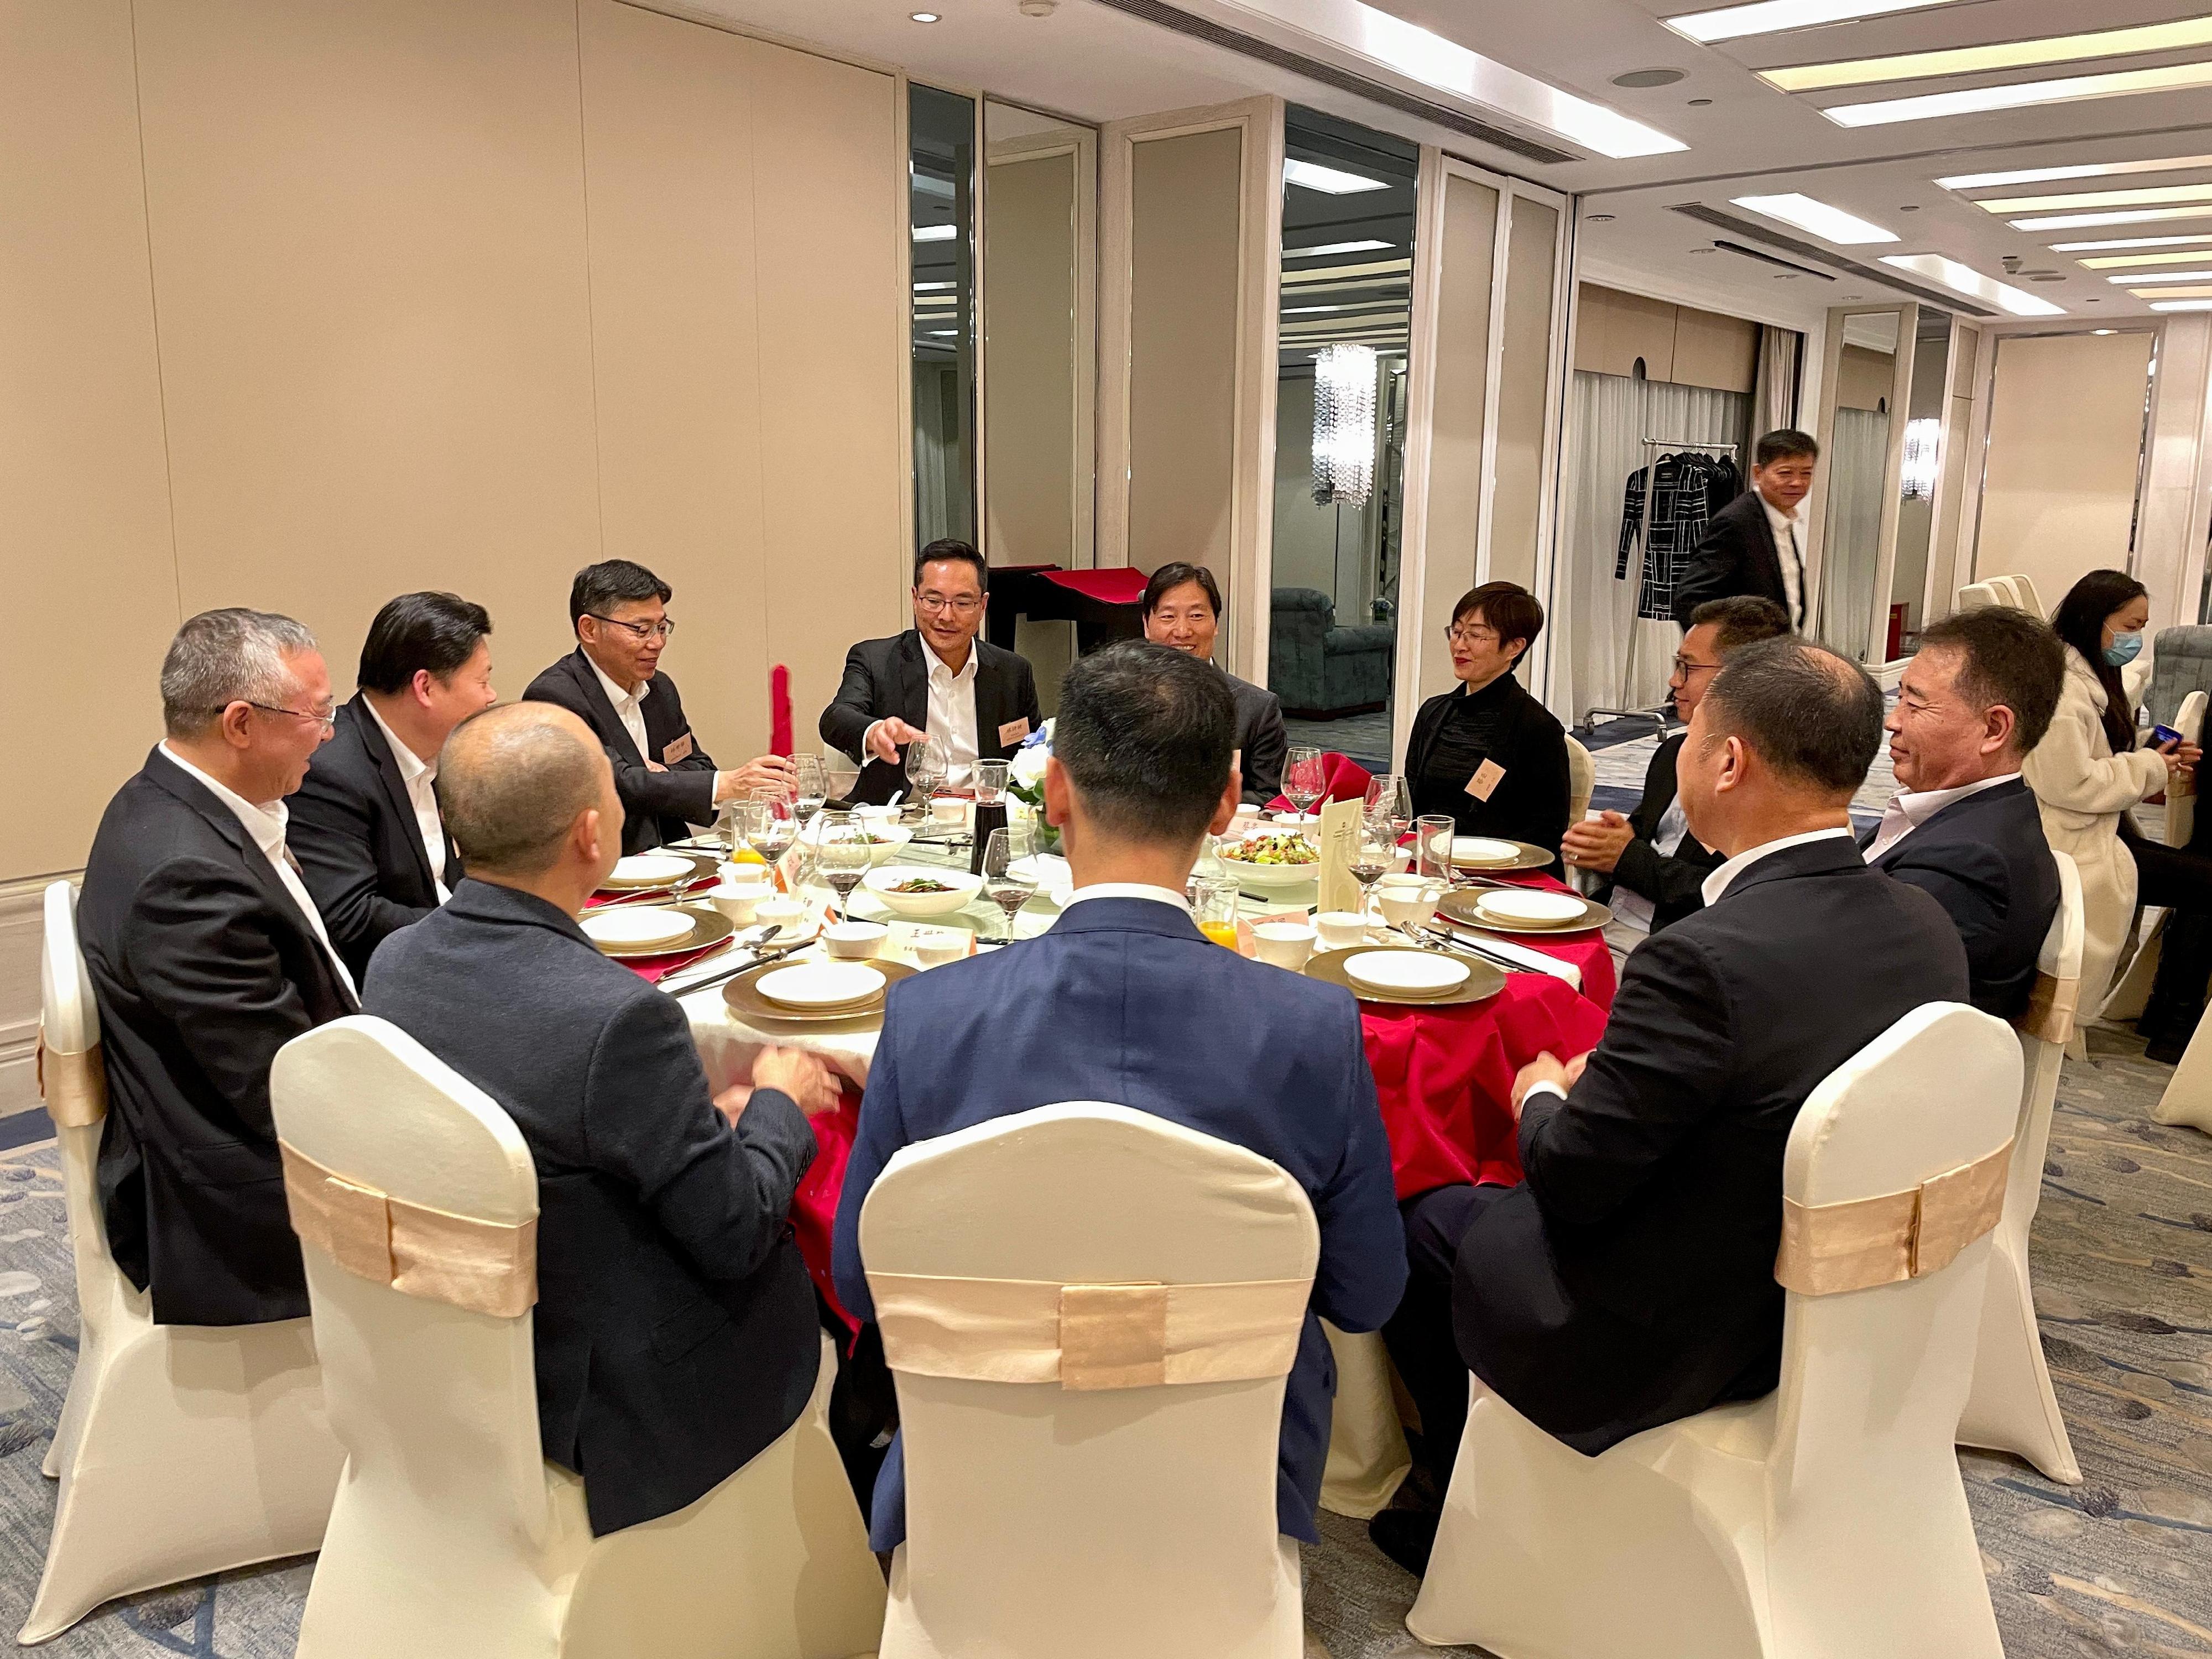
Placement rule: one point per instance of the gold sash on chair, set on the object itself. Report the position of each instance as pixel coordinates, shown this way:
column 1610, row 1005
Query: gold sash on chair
column 1089, row 1336
column 74, row 1086
column 1828, row 1248
column 484, row 1266
column 2050, row 1012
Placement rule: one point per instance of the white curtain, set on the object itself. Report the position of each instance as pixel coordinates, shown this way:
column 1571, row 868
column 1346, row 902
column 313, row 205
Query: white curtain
column 1593, row 614
column 1775, row 398
column 1858, row 457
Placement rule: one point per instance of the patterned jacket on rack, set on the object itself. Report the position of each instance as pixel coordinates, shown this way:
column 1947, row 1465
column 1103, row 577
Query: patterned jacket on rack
column 1686, row 489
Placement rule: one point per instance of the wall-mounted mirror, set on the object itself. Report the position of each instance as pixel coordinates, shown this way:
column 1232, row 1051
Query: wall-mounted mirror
column 1857, row 462
column 1040, row 191
column 941, row 137
column 1918, row 480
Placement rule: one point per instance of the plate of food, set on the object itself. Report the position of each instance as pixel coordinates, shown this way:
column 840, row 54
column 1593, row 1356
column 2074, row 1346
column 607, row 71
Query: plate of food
column 884, row 841
column 912, row 889
column 642, row 871
column 1270, row 860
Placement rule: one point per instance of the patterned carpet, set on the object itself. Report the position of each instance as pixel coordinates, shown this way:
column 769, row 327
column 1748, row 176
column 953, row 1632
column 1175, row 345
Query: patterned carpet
column 2123, row 1564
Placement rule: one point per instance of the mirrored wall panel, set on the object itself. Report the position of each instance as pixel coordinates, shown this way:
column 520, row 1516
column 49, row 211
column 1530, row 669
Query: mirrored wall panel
column 1341, row 403
column 1918, row 480
column 1857, row 462
column 941, row 171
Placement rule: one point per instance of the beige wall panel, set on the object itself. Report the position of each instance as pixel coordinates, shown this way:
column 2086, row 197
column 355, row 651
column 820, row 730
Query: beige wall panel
column 1523, row 378
column 1614, row 328
column 1713, row 350
column 2065, row 445
column 83, row 484
column 1186, row 212
column 668, row 161
column 1866, row 379
column 828, row 205
column 1029, row 327
column 368, row 235
column 1469, row 240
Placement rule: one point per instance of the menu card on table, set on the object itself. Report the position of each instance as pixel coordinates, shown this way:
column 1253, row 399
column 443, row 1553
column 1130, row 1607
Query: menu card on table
column 1339, row 840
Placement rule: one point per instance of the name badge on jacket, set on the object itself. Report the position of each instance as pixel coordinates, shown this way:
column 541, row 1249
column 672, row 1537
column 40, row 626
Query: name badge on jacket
column 676, row 749
column 1487, row 776
column 1013, row 730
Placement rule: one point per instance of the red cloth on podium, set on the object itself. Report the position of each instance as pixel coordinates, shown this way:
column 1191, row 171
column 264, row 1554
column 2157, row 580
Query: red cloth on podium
column 1118, row 584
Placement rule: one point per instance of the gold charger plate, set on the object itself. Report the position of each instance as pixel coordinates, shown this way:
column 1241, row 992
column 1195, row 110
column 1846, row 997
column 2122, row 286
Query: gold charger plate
column 745, row 1001
column 709, row 927
column 1530, row 857
column 701, row 868
column 1484, row 980
column 1460, row 907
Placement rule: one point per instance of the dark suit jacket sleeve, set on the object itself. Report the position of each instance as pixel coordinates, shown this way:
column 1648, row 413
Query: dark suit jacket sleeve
column 1669, row 883
column 856, row 706
column 689, row 783
column 1663, row 1065
column 1026, row 692
column 332, row 838
column 1714, row 571
column 882, row 1133
column 198, row 939
column 722, row 1194
column 681, row 793
column 1362, row 1271
column 1265, row 747
column 1972, row 885
column 1544, row 782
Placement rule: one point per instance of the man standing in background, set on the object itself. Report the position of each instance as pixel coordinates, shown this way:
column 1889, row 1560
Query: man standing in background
column 1756, row 543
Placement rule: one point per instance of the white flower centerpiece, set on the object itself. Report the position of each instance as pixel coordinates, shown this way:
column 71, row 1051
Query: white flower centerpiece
column 1026, row 783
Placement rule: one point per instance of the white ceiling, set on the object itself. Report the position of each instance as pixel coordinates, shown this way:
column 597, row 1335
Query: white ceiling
column 1097, row 64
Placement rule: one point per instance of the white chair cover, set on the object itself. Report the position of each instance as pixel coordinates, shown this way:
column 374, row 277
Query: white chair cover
column 1079, row 1524
column 1367, row 1454
column 1974, row 595
column 2026, row 597
column 182, row 1450
column 1826, row 1521
column 452, row 1534
column 2011, row 1406
column 1581, row 780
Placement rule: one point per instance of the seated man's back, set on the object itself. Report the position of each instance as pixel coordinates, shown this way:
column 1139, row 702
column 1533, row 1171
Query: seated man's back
column 676, row 1333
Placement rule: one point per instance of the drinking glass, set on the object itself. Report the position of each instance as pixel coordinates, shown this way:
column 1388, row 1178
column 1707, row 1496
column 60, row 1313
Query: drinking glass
column 990, row 783
column 1007, row 876
column 1374, row 856
column 1433, row 840
column 1389, row 801
column 809, row 789
column 1303, row 782
column 840, row 775
column 769, row 826
column 924, row 770
column 843, row 856
column 1213, row 907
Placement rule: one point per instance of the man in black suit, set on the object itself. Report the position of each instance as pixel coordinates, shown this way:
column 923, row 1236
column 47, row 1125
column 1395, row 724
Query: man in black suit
column 207, row 955
column 1629, row 1280
column 1756, row 543
column 612, row 682
column 1656, row 864
column 365, row 825
column 936, row 681
column 675, row 1330
column 1181, row 611
column 1963, row 827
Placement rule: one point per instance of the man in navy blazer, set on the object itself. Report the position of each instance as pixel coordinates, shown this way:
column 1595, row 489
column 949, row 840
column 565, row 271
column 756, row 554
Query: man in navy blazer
column 1122, row 1001
column 1963, row 827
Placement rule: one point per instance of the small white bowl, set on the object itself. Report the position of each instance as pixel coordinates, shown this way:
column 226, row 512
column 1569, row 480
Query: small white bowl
column 739, row 903
column 875, row 815
column 1341, row 930
column 961, row 889
column 1406, row 906
column 854, row 941
column 935, row 947
column 1286, row 943
column 788, row 914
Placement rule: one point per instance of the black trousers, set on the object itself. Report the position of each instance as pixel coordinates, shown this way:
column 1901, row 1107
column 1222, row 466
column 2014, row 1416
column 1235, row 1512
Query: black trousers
column 2179, row 878
column 1419, row 1335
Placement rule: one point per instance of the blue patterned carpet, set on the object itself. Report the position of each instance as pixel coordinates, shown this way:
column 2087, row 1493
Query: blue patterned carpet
column 2122, row 1564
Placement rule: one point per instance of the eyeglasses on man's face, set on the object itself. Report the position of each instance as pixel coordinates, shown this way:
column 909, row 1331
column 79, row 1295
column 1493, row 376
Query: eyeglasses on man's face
column 327, row 717
column 1684, row 668
column 639, row 631
column 936, row 604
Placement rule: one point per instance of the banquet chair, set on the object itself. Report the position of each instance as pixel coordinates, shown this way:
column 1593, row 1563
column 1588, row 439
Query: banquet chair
column 417, row 1204
column 1826, row 1521
column 182, row 1450
column 1582, row 784
column 1974, row 595
column 1089, row 1313
column 2011, row 1406
column 2131, row 988
column 1368, row 1458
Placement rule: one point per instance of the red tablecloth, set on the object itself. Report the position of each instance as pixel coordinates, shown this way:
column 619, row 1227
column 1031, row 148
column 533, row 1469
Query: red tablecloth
column 1116, row 584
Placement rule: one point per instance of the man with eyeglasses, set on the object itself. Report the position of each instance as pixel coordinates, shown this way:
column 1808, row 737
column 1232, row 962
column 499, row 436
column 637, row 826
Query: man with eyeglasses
column 207, row 955
column 612, row 682
column 1657, row 867
column 936, row 681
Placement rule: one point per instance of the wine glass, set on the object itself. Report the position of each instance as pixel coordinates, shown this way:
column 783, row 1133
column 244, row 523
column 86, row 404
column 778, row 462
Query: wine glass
column 925, row 771
column 808, row 787
column 840, row 775
column 1303, row 782
column 769, row 826
column 990, row 783
column 1007, row 876
column 843, row 855
column 1374, row 855
column 1389, row 801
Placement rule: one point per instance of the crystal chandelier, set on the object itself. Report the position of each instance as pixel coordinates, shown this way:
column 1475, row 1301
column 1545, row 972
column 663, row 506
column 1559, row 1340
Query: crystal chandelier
column 1344, row 425
column 1924, row 439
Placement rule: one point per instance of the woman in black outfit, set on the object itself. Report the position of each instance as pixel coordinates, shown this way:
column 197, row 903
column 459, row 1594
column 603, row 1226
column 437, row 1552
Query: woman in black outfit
column 1489, row 754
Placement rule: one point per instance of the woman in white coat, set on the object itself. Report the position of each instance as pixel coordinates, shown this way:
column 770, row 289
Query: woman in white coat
column 2086, row 772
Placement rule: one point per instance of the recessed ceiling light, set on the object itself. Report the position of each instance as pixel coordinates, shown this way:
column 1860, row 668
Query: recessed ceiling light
column 1312, row 176
column 1964, row 279
column 2104, row 330
column 1637, row 80
column 2129, row 241
column 945, row 334
column 1817, row 216
column 2183, row 256
column 1334, row 247
column 2009, row 55
column 2021, row 94
column 923, row 16
column 1597, row 218
column 1771, row 16
column 935, row 233
column 1908, row 207
column 2085, row 170
column 2136, row 278
column 2194, row 291
column 2148, row 196
column 2092, row 220
column 2183, row 305
column 1699, row 103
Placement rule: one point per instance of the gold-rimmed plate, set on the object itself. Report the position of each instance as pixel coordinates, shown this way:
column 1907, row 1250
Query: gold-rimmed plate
column 1526, row 856
column 1484, row 980
column 702, row 867
column 743, row 996
column 708, row 927
column 1462, row 908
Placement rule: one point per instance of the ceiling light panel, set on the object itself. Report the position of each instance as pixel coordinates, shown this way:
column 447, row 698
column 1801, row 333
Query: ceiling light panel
column 1772, row 16
column 935, row 233
column 2137, row 278
column 2181, row 36
column 2183, row 305
column 1810, row 214
column 2129, row 241
column 2021, row 94
column 2196, row 291
column 1332, row 181
column 2094, row 221
column 1335, row 247
column 2098, row 198
column 1964, row 279
column 2181, row 256
column 2084, row 170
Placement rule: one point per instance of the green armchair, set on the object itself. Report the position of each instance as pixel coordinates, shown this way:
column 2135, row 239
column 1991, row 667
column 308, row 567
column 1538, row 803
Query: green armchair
column 1319, row 670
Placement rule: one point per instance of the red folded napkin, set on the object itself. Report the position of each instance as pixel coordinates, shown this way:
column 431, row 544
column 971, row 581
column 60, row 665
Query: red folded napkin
column 653, row 969
column 598, row 899
column 1345, row 778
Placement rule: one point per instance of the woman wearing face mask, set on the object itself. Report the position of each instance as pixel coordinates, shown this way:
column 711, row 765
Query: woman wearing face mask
column 2086, row 772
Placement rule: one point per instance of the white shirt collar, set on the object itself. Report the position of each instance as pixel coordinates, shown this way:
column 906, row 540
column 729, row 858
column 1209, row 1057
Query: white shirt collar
column 1718, row 883
column 266, row 824
column 1917, row 807
column 1128, row 889
column 615, row 695
column 1784, row 523
column 411, row 765
column 939, row 669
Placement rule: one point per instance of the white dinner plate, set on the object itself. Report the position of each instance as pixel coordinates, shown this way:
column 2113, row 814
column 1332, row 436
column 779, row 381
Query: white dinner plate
column 821, row 984
column 642, row 869
column 1405, row 973
column 631, row 925
column 1479, row 850
column 1532, row 909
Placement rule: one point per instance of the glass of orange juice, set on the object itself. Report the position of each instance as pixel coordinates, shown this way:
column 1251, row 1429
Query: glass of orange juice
column 1213, row 907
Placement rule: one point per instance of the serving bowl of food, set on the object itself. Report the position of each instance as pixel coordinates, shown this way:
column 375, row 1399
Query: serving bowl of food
column 884, row 841
column 1271, row 859
column 913, row 890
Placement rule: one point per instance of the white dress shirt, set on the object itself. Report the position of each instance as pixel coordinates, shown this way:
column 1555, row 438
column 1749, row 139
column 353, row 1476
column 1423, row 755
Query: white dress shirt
column 1632, row 907
column 629, row 707
column 419, row 776
column 1790, row 553
column 265, row 827
column 1129, row 889
column 1908, row 810
column 951, row 718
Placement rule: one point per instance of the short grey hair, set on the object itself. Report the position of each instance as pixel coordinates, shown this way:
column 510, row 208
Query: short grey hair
column 511, row 781
column 223, row 657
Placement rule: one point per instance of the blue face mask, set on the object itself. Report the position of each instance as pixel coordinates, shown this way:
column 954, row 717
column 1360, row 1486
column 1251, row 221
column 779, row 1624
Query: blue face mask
column 2122, row 650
